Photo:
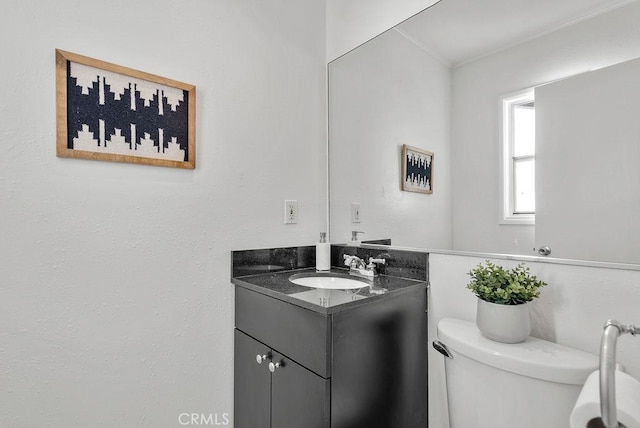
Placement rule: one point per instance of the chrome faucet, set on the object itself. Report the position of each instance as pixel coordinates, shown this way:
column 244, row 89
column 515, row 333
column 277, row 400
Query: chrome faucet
column 358, row 267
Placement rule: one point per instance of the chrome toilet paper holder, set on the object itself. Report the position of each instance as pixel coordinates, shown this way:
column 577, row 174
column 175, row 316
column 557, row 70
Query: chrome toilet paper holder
column 612, row 329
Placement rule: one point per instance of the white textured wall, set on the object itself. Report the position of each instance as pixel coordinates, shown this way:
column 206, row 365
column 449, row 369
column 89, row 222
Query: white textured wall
column 353, row 22
column 374, row 108
column 571, row 311
column 475, row 133
column 116, row 304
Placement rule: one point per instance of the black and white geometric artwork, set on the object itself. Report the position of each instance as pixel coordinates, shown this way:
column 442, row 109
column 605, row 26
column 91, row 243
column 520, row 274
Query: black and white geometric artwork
column 417, row 170
column 125, row 115
column 113, row 113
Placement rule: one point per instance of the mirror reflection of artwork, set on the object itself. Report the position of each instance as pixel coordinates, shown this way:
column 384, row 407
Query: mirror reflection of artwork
column 417, row 170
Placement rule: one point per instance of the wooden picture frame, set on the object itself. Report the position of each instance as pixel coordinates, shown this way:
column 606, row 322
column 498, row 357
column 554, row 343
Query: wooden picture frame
column 417, row 170
column 113, row 113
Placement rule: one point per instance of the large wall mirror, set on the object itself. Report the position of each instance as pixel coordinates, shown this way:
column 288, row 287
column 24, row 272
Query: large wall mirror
column 437, row 82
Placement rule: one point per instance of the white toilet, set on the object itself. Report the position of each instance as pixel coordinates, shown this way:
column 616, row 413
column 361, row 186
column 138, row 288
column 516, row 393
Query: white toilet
column 490, row 384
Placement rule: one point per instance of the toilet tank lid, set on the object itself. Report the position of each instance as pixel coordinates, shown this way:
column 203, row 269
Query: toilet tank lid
column 534, row 357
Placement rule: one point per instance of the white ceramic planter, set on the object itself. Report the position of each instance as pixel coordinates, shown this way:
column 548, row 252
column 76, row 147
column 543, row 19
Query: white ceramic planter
column 503, row 323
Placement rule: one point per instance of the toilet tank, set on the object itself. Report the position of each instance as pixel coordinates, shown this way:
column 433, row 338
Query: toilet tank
column 525, row 385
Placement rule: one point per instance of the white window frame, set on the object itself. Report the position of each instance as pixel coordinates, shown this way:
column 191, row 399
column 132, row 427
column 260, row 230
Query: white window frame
column 507, row 197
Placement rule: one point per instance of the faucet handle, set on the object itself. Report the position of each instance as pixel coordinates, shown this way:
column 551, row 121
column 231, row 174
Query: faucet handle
column 373, row 262
column 348, row 259
column 354, row 262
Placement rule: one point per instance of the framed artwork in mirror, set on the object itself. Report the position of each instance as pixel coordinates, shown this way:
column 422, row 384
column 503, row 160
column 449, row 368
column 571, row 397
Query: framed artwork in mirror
column 114, row 113
column 417, row 170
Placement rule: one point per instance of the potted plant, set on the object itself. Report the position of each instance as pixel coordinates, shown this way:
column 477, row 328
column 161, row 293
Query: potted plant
column 503, row 294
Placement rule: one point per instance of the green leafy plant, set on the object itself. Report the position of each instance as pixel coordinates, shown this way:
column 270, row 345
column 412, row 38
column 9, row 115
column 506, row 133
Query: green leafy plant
column 495, row 284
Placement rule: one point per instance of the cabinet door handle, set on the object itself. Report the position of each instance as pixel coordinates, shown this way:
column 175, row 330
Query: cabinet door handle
column 273, row 366
column 261, row 358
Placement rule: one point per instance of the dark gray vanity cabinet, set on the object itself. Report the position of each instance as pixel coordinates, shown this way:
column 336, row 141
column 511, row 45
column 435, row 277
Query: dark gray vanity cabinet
column 252, row 383
column 297, row 392
column 362, row 365
column 291, row 396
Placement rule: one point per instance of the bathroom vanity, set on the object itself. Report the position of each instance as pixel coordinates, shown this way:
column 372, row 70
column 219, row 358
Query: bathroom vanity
column 329, row 358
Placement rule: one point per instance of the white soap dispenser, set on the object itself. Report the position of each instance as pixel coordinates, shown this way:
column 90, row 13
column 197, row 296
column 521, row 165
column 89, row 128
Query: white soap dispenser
column 323, row 253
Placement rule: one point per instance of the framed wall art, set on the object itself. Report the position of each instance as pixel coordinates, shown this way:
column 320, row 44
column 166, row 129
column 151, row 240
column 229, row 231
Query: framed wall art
column 417, row 170
column 114, row 113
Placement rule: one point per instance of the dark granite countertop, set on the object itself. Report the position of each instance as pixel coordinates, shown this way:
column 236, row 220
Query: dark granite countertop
column 277, row 285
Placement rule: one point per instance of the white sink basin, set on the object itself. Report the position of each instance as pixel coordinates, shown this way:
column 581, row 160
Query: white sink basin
column 328, row 282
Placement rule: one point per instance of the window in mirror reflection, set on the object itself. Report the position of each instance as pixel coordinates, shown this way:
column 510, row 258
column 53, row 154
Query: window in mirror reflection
column 524, row 162
column 519, row 158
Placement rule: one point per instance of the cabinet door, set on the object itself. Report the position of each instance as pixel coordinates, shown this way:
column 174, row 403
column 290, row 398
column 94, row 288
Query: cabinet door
column 299, row 397
column 252, row 389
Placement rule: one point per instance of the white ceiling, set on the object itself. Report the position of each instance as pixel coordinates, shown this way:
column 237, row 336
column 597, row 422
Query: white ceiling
column 458, row 31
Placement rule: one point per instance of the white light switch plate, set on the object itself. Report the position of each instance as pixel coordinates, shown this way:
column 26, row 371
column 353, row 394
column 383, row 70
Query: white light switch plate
column 290, row 211
column 355, row 212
